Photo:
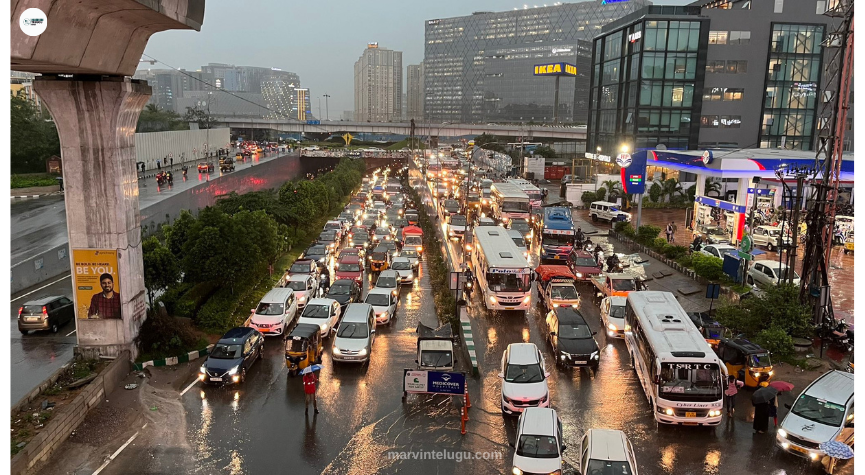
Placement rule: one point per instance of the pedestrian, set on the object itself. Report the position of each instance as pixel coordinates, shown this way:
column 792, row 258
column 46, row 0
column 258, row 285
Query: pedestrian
column 158, row 165
column 733, row 386
column 309, row 388
column 773, row 411
column 669, row 232
column 761, row 417
column 172, row 162
column 675, row 228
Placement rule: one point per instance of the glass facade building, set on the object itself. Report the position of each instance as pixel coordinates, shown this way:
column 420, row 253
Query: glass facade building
column 479, row 68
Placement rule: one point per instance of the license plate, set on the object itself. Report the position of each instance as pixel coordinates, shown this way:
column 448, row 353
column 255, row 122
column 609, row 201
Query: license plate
column 510, row 308
column 349, row 357
column 690, row 414
column 557, row 256
column 798, row 449
column 580, row 362
column 216, row 379
column 264, row 330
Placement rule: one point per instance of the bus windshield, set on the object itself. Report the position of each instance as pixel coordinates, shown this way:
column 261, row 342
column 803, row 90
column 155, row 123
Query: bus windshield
column 508, row 282
column 689, row 382
column 515, row 206
column 558, row 239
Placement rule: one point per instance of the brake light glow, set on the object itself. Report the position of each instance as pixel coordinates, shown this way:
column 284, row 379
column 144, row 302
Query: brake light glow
column 44, row 310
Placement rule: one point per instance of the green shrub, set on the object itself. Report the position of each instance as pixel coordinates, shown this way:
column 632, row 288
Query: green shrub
column 172, row 295
column 189, row 304
column 659, row 244
column 675, row 252
column 655, row 192
column 162, row 336
column 588, row 197
column 685, row 261
column 601, row 193
column 215, row 315
column 646, row 234
column 620, row 226
column 27, row 181
column 707, row 266
column 777, row 341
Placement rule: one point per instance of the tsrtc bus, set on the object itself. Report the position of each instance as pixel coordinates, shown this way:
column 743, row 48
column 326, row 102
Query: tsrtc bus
column 503, row 274
column 557, row 233
column 507, row 202
column 536, row 197
column 681, row 376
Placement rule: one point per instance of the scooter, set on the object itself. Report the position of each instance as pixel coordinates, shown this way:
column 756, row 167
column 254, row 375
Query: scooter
column 836, row 333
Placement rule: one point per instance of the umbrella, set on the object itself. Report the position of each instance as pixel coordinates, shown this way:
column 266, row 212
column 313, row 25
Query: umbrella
column 836, row 449
column 764, row 395
column 781, row 386
column 310, row 369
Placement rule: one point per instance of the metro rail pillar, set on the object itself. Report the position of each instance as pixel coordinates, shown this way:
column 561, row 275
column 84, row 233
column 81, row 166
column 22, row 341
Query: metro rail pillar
column 96, row 118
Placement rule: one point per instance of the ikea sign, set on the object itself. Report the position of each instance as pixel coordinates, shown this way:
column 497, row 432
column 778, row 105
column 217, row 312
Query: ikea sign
column 555, row 69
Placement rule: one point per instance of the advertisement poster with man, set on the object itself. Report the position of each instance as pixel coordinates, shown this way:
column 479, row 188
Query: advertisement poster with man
column 97, row 283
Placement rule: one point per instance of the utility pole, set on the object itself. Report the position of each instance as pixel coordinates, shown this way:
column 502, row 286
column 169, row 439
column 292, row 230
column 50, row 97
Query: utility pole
column 326, row 106
column 794, row 222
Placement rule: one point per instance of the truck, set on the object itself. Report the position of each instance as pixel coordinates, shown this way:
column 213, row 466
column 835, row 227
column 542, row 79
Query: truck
column 556, row 233
column 616, row 285
column 412, row 238
column 557, row 286
column 435, row 354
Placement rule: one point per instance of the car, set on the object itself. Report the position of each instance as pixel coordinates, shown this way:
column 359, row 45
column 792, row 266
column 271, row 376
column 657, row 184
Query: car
column 450, row 207
column 336, row 226
column 275, row 313
column 566, row 179
column 232, row 356
column 205, row 167
column 539, row 443
column 384, row 303
column 303, row 267
column 583, row 265
column 524, row 378
column 606, row 211
column 370, row 223
column 770, row 237
column 823, row 412
column 355, row 334
column 411, row 217
column 457, row 225
column 358, row 228
column 305, row 288
column 402, row 266
column 607, row 451
column 226, row 164
column 46, row 313
column 519, row 241
column 572, row 340
column 389, row 279
column 379, row 260
column 717, row 250
column 344, row 291
column 329, row 239
column 348, row 251
column 714, row 235
column 359, row 240
column 346, row 218
column 766, row 273
column 322, row 312
column 350, row 267
column 484, row 221
column 382, row 233
column 523, row 227
column 387, row 246
column 441, row 190
column 412, row 255
column 613, row 316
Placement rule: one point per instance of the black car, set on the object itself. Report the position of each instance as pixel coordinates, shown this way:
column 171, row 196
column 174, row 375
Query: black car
column 317, row 252
column 344, row 291
column 386, row 246
column 231, row 357
column 359, row 240
column 47, row 313
column 573, row 341
column 328, row 238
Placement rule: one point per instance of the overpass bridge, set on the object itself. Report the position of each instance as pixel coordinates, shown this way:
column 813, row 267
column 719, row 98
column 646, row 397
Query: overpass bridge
column 404, row 128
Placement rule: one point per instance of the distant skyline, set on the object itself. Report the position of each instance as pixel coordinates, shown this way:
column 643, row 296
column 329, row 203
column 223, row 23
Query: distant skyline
column 320, row 41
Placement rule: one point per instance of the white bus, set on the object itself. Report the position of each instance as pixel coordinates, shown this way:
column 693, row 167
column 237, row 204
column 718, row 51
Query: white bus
column 536, row 197
column 508, row 202
column 682, row 377
column 503, row 274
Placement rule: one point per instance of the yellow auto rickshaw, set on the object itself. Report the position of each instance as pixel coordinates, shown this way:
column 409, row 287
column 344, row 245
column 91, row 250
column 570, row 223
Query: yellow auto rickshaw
column 748, row 361
column 303, row 347
column 848, row 243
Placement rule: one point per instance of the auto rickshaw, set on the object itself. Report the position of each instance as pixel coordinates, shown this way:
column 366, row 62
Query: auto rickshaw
column 712, row 331
column 303, row 347
column 848, row 243
column 748, row 361
column 379, row 261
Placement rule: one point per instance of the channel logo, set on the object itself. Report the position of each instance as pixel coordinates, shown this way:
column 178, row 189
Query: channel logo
column 33, row 22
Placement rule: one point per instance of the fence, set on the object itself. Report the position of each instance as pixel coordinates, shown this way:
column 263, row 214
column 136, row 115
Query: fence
column 182, row 145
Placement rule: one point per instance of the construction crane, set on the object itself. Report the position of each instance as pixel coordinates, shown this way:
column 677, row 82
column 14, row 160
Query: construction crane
column 825, row 176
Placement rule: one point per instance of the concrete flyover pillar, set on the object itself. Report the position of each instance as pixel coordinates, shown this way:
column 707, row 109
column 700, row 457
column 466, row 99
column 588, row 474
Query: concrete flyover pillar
column 96, row 117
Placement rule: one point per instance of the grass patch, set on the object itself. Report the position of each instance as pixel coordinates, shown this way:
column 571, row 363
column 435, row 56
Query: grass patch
column 35, row 179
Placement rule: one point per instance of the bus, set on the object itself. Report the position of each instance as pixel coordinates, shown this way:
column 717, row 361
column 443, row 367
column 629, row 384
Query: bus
column 557, row 233
column 536, row 197
column 502, row 272
column 508, row 202
column 681, row 376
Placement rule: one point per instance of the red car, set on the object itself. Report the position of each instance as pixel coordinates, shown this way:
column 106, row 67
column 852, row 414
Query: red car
column 583, row 265
column 205, row 167
column 349, row 267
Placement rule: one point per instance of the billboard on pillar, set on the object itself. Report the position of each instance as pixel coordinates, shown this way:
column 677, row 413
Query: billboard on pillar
column 633, row 171
column 96, row 281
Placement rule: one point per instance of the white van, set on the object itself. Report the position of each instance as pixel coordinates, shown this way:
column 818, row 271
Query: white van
column 823, row 412
column 275, row 313
column 606, row 211
column 606, row 451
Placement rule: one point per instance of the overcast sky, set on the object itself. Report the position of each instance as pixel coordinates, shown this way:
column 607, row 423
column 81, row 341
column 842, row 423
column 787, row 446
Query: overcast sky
column 319, row 40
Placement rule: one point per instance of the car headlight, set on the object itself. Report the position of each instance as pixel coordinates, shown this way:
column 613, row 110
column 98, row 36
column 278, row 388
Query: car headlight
column 362, row 352
column 202, row 369
column 595, row 355
column 756, row 374
column 233, row 371
column 579, row 275
column 669, row 411
column 321, row 260
column 493, row 300
column 336, row 351
column 527, row 299
column 517, row 471
column 612, row 327
column 302, row 298
column 782, row 433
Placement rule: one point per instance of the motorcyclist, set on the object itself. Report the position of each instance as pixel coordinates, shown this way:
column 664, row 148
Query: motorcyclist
column 325, row 282
column 579, row 236
column 612, row 262
column 697, row 244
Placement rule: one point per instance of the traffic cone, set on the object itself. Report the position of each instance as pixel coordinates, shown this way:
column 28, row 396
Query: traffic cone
column 468, row 402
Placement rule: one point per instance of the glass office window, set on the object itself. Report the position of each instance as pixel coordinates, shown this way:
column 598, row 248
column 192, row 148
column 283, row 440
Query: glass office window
column 740, row 37
column 718, row 37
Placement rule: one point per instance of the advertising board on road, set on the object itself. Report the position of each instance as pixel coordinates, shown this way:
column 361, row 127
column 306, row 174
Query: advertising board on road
column 96, row 283
column 434, row 382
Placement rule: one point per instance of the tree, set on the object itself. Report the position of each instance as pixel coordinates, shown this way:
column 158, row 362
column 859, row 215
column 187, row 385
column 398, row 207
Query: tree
column 655, row 192
column 614, row 189
column 713, row 188
column 777, row 307
column 601, row 193
column 177, row 234
column 161, row 268
column 545, row 151
column 154, row 119
column 670, row 188
column 34, row 137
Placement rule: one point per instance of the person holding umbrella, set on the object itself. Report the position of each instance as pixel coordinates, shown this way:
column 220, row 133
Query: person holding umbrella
column 835, row 450
column 761, row 400
column 310, row 386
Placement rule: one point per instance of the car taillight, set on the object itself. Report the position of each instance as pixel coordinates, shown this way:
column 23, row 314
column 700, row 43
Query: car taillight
column 44, row 311
column 20, row 311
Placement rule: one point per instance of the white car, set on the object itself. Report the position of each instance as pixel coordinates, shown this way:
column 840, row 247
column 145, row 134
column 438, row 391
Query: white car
column 389, row 279
column 524, row 378
column 355, row 334
column 412, row 255
column 276, row 311
column 402, row 266
column 767, row 273
column 770, row 237
column 717, row 250
column 607, row 451
column 539, row 443
column 457, row 226
column 322, row 312
column 613, row 316
column 305, row 288
column 383, row 303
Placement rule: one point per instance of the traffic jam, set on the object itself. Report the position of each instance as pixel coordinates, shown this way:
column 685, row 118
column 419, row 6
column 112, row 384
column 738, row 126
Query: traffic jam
column 520, row 252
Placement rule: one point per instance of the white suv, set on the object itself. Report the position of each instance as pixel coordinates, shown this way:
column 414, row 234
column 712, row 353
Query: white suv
column 539, row 443
column 305, row 288
column 275, row 313
column 524, row 378
column 606, row 451
column 606, row 211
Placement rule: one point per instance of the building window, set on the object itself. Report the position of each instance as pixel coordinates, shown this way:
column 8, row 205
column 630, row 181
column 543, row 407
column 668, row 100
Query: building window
column 737, row 67
column 709, row 122
column 733, row 94
column 726, row 94
column 740, row 37
column 715, row 66
column 718, row 37
column 779, row 6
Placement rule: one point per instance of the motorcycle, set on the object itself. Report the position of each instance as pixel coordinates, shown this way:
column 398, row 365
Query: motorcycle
column 838, row 334
column 695, row 247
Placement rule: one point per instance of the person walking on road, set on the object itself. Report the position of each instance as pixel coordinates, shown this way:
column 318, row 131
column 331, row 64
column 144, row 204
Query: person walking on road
column 761, row 417
column 159, row 165
column 309, row 388
column 733, row 386
column 675, row 229
column 669, row 232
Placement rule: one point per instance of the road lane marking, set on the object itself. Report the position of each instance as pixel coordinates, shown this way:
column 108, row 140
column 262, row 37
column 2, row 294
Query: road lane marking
column 40, row 288
column 73, row 331
column 115, row 454
column 187, row 388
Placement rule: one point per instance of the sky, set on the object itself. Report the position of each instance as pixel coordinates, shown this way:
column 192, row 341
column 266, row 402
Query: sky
column 319, row 40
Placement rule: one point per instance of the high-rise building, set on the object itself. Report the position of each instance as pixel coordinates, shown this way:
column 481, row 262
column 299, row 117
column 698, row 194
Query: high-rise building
column 22, row 83
column 303, row 106
column 415, row 95
column 480, row 68
column 278, row 90
column 713, row 74
column 378, row 85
